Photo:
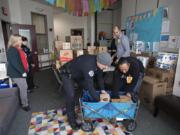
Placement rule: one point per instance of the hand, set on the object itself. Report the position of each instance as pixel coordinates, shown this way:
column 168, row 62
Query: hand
column 104, row 97
column 103, row 92
column 33, row 65
column 128, row 94
column 24, row 75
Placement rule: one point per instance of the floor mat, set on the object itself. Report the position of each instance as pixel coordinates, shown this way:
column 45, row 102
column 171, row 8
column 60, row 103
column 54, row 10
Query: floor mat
column 54, row 122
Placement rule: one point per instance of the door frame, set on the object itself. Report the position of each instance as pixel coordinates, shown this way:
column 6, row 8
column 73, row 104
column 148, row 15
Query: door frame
column 46, row 26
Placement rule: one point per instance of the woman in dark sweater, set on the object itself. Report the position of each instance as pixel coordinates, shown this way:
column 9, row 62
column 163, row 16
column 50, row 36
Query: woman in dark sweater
column 18, row 67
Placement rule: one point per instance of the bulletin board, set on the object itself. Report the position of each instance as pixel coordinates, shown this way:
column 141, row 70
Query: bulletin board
column 146, row 26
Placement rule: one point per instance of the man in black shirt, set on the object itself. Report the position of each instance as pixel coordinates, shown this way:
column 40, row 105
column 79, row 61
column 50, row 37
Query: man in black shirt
column 128, row 77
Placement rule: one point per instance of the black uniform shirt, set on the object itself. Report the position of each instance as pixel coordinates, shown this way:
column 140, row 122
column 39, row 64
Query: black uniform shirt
column 84, row 68
column 136, row 67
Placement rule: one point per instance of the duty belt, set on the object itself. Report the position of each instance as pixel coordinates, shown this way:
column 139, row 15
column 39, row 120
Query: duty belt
column 65, row 70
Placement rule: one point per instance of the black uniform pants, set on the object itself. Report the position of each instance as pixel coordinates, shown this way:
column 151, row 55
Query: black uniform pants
column 30, row 79
column 69, row 92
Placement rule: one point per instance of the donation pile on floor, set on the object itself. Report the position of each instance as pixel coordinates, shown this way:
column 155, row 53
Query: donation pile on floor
column 54, row 122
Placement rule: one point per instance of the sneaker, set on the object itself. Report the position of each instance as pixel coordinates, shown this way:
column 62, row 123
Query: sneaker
column 26, row 108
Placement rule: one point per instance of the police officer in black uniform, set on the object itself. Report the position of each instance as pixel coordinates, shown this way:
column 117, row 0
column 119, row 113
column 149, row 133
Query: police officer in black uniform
column 30, row 74
column 128, row 77
column 83, row 69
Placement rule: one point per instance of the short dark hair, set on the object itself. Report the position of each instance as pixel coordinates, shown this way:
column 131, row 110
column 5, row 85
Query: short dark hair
column 123, row 60
column 24, row 38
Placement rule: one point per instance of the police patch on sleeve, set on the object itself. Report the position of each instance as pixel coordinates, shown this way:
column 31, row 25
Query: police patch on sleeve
column 91, row 73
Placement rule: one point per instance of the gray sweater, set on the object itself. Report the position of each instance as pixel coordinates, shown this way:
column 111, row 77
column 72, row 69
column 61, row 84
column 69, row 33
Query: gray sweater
column 123, row 48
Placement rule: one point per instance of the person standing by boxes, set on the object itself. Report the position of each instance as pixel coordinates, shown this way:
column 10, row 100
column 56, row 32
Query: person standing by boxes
column 121, row 42
column 128, row 77
column 83, row 70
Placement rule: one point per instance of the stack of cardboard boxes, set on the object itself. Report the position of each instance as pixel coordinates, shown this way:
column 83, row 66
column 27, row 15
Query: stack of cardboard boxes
column 66, row 52
column 156, row 82
column 95, row 50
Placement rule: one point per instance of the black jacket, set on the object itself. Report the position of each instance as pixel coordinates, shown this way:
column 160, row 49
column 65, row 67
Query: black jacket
column 84, row 68
column 15, row 67
column 136, row 67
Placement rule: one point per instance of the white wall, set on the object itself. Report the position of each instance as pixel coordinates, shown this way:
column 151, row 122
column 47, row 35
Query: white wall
column 2, row 46
column 117, row 17
column 176, row 89
column 4, row 3
column 64, row 22
column 174, row 15
column 28, row 6
column 105, row 22
column 15, row 11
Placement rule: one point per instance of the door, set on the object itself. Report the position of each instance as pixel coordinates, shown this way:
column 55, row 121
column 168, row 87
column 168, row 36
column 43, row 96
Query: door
column 6, row 32
column 29, row 32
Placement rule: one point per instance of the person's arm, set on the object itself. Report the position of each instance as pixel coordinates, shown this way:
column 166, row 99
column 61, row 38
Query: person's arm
column 100, row 79
column 125, row 43
column 116, row 84
column 89, row 75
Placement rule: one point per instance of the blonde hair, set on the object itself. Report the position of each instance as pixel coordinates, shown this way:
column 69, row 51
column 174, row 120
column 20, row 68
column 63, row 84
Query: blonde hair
column 13, row 40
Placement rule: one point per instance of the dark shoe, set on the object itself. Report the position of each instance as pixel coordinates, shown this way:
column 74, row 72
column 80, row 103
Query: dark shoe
column 36, row 87
column 26, row 108
column 29, row 91
column 75, row 126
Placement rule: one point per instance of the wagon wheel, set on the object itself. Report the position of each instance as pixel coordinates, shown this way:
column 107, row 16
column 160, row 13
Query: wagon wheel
column 130, row 125
column 87, row 126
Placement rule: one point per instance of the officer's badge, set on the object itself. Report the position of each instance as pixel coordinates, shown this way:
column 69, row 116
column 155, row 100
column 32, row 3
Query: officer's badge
column 129, row 79
column 91, row 73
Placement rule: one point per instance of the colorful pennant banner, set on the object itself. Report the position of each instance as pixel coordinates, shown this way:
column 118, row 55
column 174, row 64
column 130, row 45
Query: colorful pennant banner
column 82, row 7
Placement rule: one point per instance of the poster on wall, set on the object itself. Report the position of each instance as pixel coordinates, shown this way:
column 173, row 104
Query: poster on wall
column 146, row 25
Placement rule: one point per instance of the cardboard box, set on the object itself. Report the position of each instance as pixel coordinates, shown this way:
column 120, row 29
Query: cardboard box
column 76, row 42
column 65, row 56
column 102, row 49
column 162, row 75
column 66, row 46
column 152, row 90
column 78, row 53
column 151, row 80
column 92, row 50
column 59, row 45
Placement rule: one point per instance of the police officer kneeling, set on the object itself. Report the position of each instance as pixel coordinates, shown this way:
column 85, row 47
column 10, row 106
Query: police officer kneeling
column 82, row 70
column 128, row 77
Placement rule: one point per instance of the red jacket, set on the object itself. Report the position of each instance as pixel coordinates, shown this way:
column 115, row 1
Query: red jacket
column 23, row 59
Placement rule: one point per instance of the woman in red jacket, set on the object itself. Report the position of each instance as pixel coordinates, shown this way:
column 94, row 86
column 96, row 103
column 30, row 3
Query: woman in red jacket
column 18, row 67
